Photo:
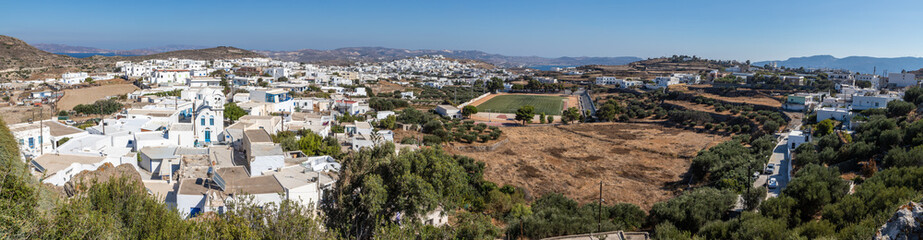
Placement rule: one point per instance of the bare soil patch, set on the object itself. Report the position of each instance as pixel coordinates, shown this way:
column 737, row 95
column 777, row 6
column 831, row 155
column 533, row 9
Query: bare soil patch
column 386, row 87
column 755, row 100
column 638, row 163
column 20, row 114
column 72, row 97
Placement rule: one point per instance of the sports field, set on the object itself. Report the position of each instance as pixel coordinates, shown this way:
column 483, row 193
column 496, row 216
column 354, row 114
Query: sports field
column 551, row 105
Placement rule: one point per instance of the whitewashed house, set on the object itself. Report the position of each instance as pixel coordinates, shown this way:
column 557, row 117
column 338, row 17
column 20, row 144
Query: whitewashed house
column 902, row 79
column 262, row 154
column 860, row 102
column 74, row 78
column 166, row 76
column 448, row 111
column 203, row 194
column 34, row 138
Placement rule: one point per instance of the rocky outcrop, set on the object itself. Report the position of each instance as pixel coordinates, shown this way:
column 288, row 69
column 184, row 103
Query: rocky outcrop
column 84, row 180
column 904, row 225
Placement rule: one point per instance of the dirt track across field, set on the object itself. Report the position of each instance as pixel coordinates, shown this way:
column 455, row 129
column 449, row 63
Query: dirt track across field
column 638, row 163
column 72, row 97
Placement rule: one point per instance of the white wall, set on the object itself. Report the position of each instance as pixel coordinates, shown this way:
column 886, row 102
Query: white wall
column 261, row 164
column 185, row 202
column 307, row 195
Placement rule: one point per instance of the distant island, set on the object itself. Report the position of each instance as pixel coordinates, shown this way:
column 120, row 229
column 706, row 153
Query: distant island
column 853, row 63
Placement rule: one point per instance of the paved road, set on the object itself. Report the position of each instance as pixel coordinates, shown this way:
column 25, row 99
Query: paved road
column 781, row 171
column 585, row 102
column 782, row 166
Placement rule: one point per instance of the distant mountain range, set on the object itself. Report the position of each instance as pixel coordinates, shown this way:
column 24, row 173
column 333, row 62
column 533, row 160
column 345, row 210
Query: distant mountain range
column 365, row 54
column 61, row 48
column 853, row 63
column 378, row 54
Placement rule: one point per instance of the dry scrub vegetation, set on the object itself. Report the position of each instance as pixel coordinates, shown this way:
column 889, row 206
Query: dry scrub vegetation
column 638, row 163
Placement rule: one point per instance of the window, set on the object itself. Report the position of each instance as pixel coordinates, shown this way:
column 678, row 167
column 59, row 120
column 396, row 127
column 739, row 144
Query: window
column 203, row 121
column 211, row 120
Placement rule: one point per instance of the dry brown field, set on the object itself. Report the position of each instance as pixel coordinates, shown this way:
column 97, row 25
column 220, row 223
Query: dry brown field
column 755, row 100
column 639, row 163
column 72, row 97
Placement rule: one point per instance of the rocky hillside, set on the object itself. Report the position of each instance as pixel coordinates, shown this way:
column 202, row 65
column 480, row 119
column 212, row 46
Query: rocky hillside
column 61, row 48
column 19, row 60
column 378, row 54
column 15, row 53
column 905, row 224
column 222, row 52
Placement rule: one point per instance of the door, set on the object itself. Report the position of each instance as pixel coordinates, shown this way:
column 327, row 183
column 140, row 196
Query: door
column 194, row 211
column 208, row 135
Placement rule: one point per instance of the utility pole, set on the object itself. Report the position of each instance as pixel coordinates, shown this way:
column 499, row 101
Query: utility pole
column 599, row 212
column 41, row 126
column 102, row 121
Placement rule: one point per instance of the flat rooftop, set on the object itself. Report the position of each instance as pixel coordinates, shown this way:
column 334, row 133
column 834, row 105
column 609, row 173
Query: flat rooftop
column 257, row 135
column 238, row 182
column 297, row 176
column 266, row 150
column 58, row 129
column 54, row 162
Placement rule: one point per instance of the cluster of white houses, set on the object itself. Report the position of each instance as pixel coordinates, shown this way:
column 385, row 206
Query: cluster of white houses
column 658, row 82
column 186, row 154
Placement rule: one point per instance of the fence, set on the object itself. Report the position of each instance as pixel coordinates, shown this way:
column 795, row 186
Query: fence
column 472, row 100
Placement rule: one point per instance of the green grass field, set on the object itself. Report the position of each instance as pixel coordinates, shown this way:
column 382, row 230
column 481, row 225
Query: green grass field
column 550, row 105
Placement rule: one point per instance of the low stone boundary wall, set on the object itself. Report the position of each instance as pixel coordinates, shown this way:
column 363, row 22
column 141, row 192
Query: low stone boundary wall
column 472, row 100
column 483, row 148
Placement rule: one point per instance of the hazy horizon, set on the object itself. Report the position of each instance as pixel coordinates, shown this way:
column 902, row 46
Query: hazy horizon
column 729, row 30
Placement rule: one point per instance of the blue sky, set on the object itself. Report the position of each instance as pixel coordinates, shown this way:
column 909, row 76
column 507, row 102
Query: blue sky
column 741, row 30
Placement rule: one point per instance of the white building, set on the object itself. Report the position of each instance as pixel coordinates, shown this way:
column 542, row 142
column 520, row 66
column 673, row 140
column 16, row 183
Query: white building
column 902, row 79
column 34, row 138
column 262, row 154
column 796, row 138
column 279, row 99
column 206, row 114
column 57, row 169
column 203, row 194
column 839, row 114
column 448, row 111
column 860, row 102
column 688, row 78
column 167, row 76
column 607, row 81
column 203, row 82
column 304, row 185
column 383, row 114
column 278, row 72
column 662, row 82
column 74, row 78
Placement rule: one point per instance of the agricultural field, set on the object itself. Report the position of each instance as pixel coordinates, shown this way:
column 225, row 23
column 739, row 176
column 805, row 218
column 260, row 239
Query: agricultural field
column 756, row 99
column 509, row 103
column 639, row 163
column 73, row 97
